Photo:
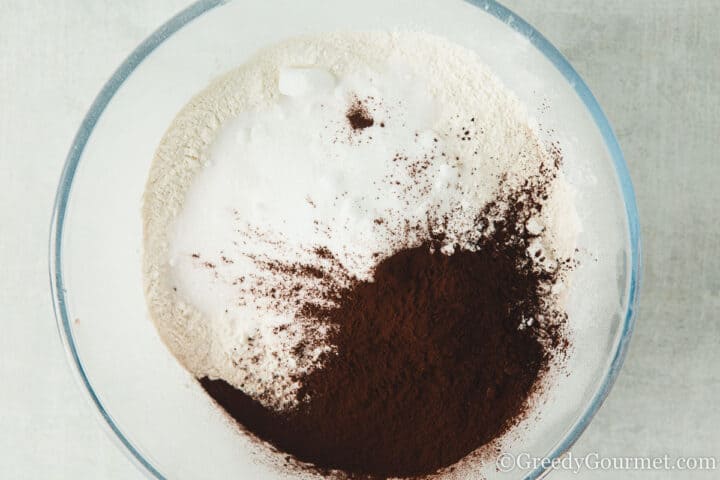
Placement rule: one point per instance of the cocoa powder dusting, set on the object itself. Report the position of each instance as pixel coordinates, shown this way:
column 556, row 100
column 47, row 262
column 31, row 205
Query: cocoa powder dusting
column 435, row 357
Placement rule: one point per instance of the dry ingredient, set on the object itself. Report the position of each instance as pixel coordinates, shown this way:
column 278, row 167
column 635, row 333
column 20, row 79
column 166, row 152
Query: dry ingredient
column 432, row 359
column 377, row 292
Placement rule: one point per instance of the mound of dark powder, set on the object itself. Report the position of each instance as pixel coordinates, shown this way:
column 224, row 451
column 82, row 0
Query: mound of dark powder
column 435, row 357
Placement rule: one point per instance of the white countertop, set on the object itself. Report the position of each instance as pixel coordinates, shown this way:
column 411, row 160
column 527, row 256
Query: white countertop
column 653, row 66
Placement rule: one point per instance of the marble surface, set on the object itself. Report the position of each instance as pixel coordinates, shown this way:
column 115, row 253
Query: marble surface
column 653, row 64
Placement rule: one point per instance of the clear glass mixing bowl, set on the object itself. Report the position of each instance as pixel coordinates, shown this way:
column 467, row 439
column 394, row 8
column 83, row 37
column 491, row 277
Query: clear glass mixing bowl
column 153, row 408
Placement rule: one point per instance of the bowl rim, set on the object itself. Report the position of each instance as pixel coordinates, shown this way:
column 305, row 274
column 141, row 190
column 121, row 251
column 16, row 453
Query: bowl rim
column 198, row 8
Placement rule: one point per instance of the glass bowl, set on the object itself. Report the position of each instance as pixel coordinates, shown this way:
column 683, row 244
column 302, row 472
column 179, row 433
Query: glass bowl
column 154, row 409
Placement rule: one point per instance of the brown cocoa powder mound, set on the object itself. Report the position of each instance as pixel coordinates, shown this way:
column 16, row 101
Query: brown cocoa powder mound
column 359, row 116
column 430, row 362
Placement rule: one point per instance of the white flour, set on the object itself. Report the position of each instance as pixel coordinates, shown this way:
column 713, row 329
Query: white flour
column 263, row 167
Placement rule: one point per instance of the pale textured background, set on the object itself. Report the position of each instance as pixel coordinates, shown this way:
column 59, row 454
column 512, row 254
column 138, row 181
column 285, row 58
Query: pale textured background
column 653, row 64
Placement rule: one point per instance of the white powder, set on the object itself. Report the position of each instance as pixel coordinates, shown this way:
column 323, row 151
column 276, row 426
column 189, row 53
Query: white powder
column 264, row 167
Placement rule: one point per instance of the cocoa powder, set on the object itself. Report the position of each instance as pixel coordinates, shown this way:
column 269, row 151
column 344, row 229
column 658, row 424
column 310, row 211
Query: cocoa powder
column 434, row 358
column 358, row 116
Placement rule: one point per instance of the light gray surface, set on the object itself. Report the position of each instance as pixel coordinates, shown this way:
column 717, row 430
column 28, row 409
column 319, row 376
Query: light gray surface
column 654, row 66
